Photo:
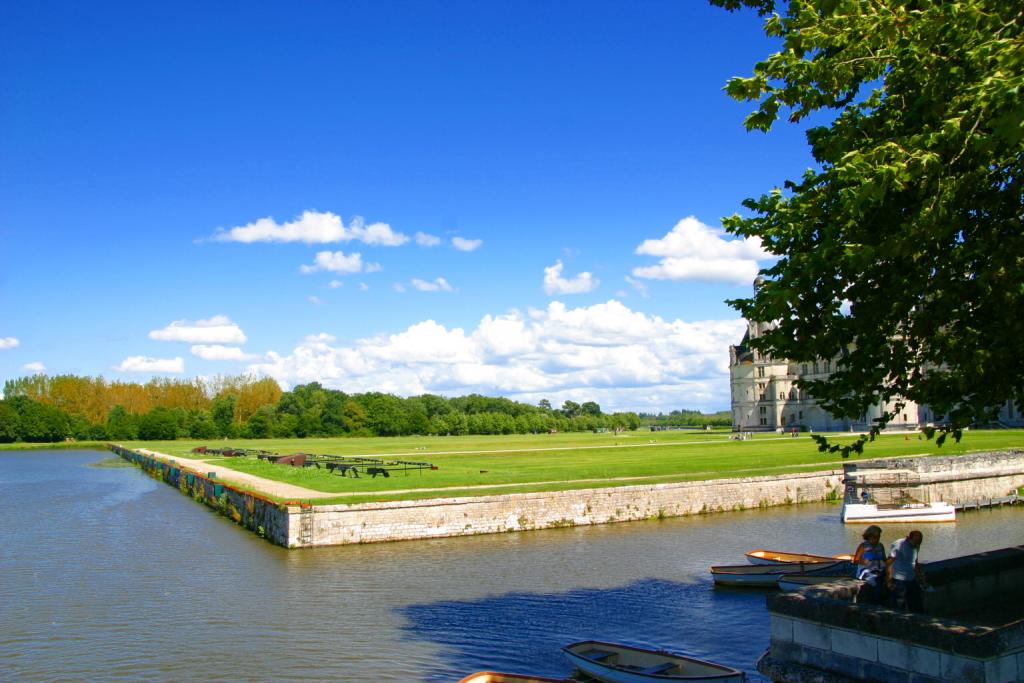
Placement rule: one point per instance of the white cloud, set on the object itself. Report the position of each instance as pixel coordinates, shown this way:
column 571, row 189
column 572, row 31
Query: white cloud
column 8, row 343
column 335, row 284
column 36, row 367
column 363, row 287
column 338, row 262
column 637, row 285
column 399, row 287
column 216, row 330
column 621, row 358
column 315, row 300
column 313, row 227
column 427, row 240
column 221, row 352
column 554, row 283
column 147, row 364
column 437, row 285
column 695, row 251
column 463, row 244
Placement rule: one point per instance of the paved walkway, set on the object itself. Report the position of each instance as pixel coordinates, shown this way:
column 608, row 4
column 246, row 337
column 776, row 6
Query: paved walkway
column 249, row 481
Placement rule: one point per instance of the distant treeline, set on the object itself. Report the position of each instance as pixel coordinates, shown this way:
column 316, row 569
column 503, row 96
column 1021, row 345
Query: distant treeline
column 687, row 418
column 47, row 409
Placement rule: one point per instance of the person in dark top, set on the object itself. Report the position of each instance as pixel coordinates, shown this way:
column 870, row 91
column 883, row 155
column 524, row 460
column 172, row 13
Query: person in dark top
column 870, row 564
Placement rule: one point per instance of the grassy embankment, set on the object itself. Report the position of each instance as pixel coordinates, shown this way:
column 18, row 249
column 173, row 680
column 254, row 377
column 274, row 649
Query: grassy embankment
column 479, row 465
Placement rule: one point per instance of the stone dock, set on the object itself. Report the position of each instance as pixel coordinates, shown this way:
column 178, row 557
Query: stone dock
column 302, row 526
column 972, row 629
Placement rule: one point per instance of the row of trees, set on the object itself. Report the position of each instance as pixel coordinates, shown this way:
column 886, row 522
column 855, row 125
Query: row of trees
column 688, row 418
column 41, row 409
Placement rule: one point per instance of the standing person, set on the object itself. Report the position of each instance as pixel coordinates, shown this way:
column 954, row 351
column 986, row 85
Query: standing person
column 904, row 572
column 871, row 564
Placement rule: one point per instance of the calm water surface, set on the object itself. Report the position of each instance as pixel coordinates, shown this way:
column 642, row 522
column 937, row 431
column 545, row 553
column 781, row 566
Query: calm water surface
column 108, row 575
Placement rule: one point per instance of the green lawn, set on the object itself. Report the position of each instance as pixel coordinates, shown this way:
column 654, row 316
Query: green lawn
column 522, row 463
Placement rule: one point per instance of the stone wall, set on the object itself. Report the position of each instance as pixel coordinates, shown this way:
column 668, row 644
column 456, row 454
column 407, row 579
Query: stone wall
column 260, row 515
column 820, row 634
column 404, row 520
column 952, row 479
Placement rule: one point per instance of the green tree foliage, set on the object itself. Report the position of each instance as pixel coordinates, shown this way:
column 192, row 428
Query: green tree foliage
column 223, row 414
column 159, row 424
column 904, row 248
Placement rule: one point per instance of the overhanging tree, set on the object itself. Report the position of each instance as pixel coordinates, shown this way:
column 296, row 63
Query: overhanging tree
column 904, row 248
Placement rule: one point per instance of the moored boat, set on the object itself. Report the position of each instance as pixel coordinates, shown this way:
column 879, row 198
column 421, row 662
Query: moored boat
column 615, row 663
column 498, row 677
column 794, row 582
column 767, row 575
column 863, row 513
column 761, row 556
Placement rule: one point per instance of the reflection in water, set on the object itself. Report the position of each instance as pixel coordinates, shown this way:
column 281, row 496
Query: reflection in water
column 107, row 575
column 526, row 631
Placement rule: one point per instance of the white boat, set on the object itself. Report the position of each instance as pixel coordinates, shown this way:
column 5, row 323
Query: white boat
column 864, row 513
column 767, row 575
column 614, row 663
column 498, row 677
column 761, row 556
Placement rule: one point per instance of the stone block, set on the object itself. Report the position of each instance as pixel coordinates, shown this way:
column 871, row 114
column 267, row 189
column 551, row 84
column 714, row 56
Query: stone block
column 1003, row 669
column 811, row 634
column 921, row 678
column 924, row 660
column 854, row 644
column 781, row 629
column 962, row 669
column 877, row 671
column 894, row 653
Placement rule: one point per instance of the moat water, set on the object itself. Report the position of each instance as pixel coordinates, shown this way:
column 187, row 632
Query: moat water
column 106, row 574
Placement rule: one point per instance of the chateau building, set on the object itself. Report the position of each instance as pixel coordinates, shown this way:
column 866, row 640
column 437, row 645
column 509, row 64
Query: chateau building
column 765, row 395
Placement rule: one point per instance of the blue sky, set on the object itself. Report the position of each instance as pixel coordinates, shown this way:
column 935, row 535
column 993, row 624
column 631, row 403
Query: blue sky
column 533, row 190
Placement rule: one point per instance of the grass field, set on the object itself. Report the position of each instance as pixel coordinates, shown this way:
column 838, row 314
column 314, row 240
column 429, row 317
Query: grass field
column 480, row 465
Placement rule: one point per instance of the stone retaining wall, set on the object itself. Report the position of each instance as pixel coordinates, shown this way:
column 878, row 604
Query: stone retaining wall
column 434, row 518
column 819, row 634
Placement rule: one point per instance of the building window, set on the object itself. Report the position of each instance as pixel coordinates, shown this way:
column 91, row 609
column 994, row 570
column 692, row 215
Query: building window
column 815, row 367
column 801, row 414
column 827, row 366
column 764, row 410
column 760, row 372
column 782, row 395
column 764, row 422
column 803, row 369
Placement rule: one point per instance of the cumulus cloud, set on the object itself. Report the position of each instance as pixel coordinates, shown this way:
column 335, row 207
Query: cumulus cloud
column 216, row 330
column 315, row 300
column 554, row 283
column 147, row 364
column 313, row 227
column 335, row 284
column 463, row 244
column 623, row 359
column 338, row 262
column 36, row 367
column 221, row 352
column 363, row 287
column 695, row 251
column 8, row 342
column 427, row 240
column 437, row 285
column 399, row 287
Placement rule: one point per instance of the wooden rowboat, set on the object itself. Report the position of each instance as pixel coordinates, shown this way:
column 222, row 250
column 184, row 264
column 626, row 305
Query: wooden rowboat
column 761, row 556
column 767, row 575
column 794, row 582
column 614, row 663
column 498, row 677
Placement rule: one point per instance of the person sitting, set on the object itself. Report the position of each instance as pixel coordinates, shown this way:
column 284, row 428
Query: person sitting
column 870, row 563
column 905, row 577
